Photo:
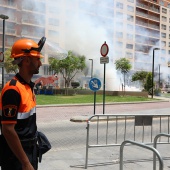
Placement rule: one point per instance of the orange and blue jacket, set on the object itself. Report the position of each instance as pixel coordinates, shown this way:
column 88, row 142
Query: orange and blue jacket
column 18, row 106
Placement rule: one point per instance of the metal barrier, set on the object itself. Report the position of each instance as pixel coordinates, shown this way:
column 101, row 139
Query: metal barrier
column 155, row 146
column 143, row 146
column 111, row 130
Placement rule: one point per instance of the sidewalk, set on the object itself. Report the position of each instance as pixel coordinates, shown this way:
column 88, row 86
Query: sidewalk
column 104, row 159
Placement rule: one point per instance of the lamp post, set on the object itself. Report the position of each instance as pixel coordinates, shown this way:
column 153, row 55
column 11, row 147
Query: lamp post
column 91, row 68
column 4, row 17
column 153, row 68
column 159, row 76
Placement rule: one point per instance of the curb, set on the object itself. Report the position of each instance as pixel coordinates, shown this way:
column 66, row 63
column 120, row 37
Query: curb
column 91, row 104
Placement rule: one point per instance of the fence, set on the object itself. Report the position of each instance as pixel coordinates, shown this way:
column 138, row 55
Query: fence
column 112, row 130
column 155, row 152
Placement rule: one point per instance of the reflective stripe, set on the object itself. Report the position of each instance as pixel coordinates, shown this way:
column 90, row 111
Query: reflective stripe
column 25, row 115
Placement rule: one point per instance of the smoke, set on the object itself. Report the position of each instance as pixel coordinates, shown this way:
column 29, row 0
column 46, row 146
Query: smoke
column 83, row 26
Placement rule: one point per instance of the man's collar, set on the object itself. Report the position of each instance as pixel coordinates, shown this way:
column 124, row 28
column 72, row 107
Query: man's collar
column 21, row 80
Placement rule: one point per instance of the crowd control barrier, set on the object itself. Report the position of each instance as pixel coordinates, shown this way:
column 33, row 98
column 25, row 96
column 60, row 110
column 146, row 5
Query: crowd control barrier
column 156, row 153
column 112, row 129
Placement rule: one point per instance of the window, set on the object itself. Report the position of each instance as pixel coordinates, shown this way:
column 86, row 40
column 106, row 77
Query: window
column 130, row 8
column 119, row 5
column 130, row 18
column 10, row 2
column 163, row 35
column 129, row 55
column 119, row 15
column 53, row 34
column 129, row 46
column 169, row 36
column 119, row 44
column 119, row 34
column 163, row 27
column 164, row 19
column 168, row 6
column 130, row 27
column 10, row 41
column 53, row 21
column 131, row 1
column 130, row 36
column 163, row 43
column 164, row 10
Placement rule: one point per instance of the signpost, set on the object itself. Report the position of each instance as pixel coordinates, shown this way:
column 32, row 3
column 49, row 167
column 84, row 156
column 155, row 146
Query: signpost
column 95, row 85
column 103, row 60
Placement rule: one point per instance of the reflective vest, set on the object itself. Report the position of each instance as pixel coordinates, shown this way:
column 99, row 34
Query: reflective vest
column 23, row 114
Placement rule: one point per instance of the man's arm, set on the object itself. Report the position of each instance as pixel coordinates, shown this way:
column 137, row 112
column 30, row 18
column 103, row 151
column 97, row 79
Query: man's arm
column 15, row 145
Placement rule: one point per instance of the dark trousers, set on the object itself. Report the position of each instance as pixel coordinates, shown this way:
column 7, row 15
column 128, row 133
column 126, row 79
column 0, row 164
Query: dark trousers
column 10, row 162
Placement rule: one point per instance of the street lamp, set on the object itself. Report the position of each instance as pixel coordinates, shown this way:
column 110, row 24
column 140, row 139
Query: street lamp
column 91, row 68
column 159, row 76
column 4, row 17
column 153, row 68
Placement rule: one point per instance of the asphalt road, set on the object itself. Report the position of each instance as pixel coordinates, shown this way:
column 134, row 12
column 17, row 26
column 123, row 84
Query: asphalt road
column 63, row 134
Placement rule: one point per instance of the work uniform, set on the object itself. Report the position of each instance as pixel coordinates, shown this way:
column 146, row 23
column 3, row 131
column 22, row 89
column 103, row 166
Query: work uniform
column 18, row 106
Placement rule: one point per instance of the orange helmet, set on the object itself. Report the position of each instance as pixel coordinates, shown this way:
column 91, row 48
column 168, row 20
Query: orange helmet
column 27, row 47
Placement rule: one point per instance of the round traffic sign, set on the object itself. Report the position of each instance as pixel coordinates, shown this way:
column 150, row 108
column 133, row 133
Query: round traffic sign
column 95, row 84
column 104, row 49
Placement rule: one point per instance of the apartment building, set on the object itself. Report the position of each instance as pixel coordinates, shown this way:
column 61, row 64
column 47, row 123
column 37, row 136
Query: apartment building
column 135, row 27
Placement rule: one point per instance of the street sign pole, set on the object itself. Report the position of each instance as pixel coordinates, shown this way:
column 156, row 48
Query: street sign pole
column 94, row 102
column 104, row 89
column 103, row 60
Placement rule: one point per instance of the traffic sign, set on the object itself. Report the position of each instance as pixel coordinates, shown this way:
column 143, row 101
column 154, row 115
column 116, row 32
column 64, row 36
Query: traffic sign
column 104, row 49
column 104, row 60
column 95, row 84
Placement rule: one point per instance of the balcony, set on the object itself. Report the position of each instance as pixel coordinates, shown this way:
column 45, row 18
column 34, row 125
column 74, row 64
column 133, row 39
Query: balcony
column 8, row 4
column 32, row 22
column 148, row 7
column 32, row 34
column 8, row 31
column 147, row 16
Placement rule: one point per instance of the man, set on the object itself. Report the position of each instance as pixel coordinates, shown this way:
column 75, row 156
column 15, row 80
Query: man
column 18, row 109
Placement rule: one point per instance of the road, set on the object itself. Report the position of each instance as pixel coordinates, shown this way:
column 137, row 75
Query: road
column 63, row 134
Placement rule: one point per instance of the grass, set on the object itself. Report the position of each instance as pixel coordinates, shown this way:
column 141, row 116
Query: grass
column 78, row 99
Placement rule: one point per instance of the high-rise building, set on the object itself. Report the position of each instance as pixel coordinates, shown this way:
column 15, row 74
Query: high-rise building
column 134, row 27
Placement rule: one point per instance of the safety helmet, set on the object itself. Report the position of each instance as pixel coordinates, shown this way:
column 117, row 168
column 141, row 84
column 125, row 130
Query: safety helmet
column 27, row 47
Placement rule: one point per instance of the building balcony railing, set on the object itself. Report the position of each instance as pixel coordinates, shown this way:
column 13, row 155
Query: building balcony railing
column 33, row 23
column 147, row 25
column 142, row 23
column 148, row 16
column 147, row 7
column 149, row 34
column 6, row 3
column 8, row 31
column 36, row 34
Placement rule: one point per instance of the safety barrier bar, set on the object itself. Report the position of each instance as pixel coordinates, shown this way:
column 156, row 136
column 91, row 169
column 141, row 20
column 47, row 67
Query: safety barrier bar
column 155, row 146
column 112, row 129
column 143, row 146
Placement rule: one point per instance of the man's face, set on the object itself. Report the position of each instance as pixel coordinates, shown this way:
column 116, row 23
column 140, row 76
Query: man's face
column 35, row 64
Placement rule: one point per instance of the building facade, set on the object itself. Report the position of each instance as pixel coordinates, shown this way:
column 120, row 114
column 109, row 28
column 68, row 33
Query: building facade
column 135, row 27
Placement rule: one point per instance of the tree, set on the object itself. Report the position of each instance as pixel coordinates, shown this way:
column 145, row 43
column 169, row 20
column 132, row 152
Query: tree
column 148, row 84
column 9, row 67
column 124, row 66
column 140, row 76
column 68, row 67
